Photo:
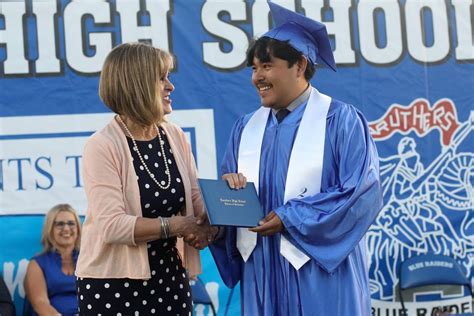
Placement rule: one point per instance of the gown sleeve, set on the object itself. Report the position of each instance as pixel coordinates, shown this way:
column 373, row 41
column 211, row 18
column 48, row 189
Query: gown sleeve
column 329, row 225
column 224, row 251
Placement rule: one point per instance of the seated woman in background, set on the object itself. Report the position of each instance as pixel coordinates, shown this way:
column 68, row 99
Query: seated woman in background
column 50, row 281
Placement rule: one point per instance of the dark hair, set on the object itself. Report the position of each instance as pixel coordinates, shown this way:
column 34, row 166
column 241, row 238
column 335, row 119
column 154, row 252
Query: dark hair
column 264, row 48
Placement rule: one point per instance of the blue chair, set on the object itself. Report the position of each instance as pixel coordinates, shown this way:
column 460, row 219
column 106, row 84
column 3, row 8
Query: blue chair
column 200, row 295
column 430, row 269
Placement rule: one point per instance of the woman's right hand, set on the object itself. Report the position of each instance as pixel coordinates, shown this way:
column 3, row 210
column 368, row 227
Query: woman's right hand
column 235, row 180
column 194, row 230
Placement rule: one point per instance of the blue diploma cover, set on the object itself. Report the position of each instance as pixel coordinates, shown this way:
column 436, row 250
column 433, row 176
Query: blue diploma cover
column 228, row 207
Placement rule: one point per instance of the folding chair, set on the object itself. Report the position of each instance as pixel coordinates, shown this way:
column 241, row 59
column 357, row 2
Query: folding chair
column 430, row 269
column 200, row 295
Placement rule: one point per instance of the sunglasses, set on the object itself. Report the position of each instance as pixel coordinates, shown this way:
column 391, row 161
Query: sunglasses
column 61, row 224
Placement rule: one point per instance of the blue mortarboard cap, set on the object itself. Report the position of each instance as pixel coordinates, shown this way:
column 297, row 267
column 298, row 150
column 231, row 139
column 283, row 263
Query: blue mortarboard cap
column 306, row 35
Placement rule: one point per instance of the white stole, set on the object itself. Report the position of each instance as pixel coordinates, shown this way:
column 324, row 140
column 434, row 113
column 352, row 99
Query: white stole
column 304, row 169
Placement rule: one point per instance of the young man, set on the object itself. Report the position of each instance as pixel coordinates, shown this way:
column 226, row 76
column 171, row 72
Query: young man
column 315, row 167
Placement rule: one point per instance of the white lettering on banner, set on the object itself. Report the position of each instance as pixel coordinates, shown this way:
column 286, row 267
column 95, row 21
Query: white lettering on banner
column 213, row 52
column 40, row 157
column 339, row 27
column 75, row 13
column 13, row 37
column 458, row 305
column 404, row 29
column 367, row 26
column 47, row 61
column 417, row 27
column 12, row 280
column 156, row 32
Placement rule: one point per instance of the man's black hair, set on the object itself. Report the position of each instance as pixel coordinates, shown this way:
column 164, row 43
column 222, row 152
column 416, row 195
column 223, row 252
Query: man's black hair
column 264, row 48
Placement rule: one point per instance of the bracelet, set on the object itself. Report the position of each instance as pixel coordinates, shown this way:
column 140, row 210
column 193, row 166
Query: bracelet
column 164, row 228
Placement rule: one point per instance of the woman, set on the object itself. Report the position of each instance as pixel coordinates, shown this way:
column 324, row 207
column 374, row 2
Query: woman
column 141, row 186
column 50, row 281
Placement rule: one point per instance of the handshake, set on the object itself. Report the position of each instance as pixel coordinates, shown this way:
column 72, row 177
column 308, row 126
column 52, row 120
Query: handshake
column 195, row 231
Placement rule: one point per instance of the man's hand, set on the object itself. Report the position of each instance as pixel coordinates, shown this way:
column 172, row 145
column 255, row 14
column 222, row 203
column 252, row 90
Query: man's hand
column 269, row 226
column 235, row 180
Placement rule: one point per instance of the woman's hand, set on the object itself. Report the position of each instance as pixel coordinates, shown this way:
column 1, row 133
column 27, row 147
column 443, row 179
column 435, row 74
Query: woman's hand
column 235, row 180
column 194, row 230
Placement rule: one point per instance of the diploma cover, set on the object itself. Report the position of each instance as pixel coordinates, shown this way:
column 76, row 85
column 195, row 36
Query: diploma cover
column 229, row 207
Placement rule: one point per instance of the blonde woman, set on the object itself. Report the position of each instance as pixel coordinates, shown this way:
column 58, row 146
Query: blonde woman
column 50, row 280
column 142, row 192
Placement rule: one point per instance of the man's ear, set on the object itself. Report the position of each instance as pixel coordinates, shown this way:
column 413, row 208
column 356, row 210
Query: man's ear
column 302, row 64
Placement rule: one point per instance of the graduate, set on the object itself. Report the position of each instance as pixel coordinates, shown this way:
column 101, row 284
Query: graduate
column 316, row 170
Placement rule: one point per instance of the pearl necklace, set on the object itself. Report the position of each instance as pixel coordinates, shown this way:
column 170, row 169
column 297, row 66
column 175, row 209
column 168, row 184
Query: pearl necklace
column 135, row 147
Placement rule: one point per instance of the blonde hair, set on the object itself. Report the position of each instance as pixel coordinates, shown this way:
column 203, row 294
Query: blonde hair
column 47, row 235
column 129, row 81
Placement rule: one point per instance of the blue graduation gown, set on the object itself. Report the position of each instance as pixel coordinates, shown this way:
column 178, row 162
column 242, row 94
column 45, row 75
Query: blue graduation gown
column 329, row 226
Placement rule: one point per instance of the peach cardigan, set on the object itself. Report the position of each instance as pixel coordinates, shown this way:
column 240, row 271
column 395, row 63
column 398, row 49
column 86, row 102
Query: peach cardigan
column 108, row 248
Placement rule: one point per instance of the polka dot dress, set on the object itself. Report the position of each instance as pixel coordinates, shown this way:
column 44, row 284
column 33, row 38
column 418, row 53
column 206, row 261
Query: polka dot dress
column 168, row 291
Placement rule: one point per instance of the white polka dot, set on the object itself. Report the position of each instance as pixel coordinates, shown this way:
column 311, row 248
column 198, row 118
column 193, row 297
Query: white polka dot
column 142, row 168
column 184, row 275
column 189, row 294
column 165, row 244
column 145, row 283
column 152, row 292
column 167, row 289
column 159, row 154
column 169, row 161
column 184, row 305
column 181, row 199
column 152, row 253
column 163, row 182
column 169, row 209
column 150, row 146
column 156, row 165
column 97, row 296
column 127, row 304
column 145, row 157
column 88, row 286
column 147, row 205
column 135, row 293
column 165, row 201
column 126, row 283
column 148, row 246
column 152, row 175
column 176, row 297
column 177, row 267
column 152, row 311
column 173, row 278
column 117, row 295
column 89, row 306
column 173, row 190
column 153, row 272
column 167, row 172
column 160, row 300
column 108, row 305
column 181, row 285
column 172, row 259
column 178, row 180
column 168, row 308
column 157, row 193
column 167, row 270
column 137, row 313
column 153, row 211
column 162, row 142
column 106, row 285
column 161, row 261
column 119, row 314
column 144, row 302
column 160, row 281
column 135, row 148
column 81, row 297
column 147, row 186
